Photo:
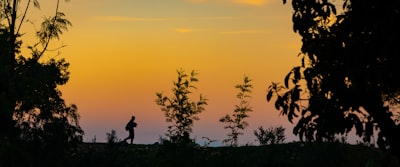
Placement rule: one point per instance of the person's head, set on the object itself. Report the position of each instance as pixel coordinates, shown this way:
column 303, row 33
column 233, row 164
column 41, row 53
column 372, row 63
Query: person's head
column 133, row 118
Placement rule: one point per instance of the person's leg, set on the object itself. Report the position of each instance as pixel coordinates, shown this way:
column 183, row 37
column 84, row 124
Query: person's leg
column 131, row 135
column 126, row 139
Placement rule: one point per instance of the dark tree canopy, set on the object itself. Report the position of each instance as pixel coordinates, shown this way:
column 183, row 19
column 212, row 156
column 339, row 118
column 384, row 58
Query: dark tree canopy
column 349, row 76
column 32, row 109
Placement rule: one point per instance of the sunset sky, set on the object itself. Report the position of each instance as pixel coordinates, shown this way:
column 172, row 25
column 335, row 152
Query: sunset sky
column 124, row 51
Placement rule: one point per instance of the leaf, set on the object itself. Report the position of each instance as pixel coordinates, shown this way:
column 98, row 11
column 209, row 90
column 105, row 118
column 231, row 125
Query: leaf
column 269, row 94
column 295, row 94
column 292, row 112
column 297, row 107
column 287, row 79
column 287, row 111
column 36, row 4
column 297, row 75
column 333, row 8
column 278, row 103
column 303, row 112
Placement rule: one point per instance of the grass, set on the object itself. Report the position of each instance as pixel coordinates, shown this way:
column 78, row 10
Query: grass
column 282, row 155
column 292, row 154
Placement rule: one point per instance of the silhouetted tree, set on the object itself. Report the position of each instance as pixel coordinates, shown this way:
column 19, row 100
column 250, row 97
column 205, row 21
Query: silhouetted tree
column 32, row 109
column 235, row 122
column 179, row 109
column 271, row 135
column 348, row 76
column 112, row 137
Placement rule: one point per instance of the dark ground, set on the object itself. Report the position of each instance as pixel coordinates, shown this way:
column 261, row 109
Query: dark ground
column 125, row 155
column 292, row 154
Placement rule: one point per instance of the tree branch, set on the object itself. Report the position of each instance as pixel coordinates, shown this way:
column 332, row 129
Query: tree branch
column 23, row 16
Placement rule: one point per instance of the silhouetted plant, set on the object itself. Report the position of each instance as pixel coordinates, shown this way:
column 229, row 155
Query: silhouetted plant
column 271, row 135
column 163, row 141
column 347, row 78
column 32, row 109
column 112, row 137
column 235, row 122
column 94, row 139
column 179, row 109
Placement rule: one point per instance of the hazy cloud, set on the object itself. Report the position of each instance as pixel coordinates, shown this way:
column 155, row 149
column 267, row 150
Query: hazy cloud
column 188, row 30
column 127, row 19
column 142, row 19
column 252, row 2
column 196, row 1
column 183, row 30
column 244, row 2
column 244, row 32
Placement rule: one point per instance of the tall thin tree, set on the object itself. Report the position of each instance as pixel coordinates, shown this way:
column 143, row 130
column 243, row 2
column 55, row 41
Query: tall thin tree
column 236, row 122
column 179, row 109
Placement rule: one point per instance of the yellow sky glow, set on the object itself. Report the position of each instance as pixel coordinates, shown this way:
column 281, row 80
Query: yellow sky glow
column 245, row 2
column 123, row 52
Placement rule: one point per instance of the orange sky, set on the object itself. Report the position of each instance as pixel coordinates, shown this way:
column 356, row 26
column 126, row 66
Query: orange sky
column 124, row 51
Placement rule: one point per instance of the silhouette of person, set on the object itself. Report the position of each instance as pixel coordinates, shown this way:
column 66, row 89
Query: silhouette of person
column 130, row 128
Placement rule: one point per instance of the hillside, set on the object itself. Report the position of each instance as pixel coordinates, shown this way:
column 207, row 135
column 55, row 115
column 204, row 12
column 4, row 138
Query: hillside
column 292, row 154
column 124, row 155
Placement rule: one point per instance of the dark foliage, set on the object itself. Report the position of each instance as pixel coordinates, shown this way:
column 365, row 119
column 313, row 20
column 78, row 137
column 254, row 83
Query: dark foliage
column 271, row 135
column 112, row 137
column 348, row 76
column 33, row 113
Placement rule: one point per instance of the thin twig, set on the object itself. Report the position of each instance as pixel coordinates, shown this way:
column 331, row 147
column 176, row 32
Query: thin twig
column 23, row 16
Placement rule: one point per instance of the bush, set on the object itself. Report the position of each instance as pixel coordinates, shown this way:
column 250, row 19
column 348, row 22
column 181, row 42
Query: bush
column 271, row 135
column 112, row 137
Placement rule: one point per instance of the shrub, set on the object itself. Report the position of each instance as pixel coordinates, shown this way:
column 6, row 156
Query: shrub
column 271, row 135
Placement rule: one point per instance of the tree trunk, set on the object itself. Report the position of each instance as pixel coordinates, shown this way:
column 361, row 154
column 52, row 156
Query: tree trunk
column 7, row 74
